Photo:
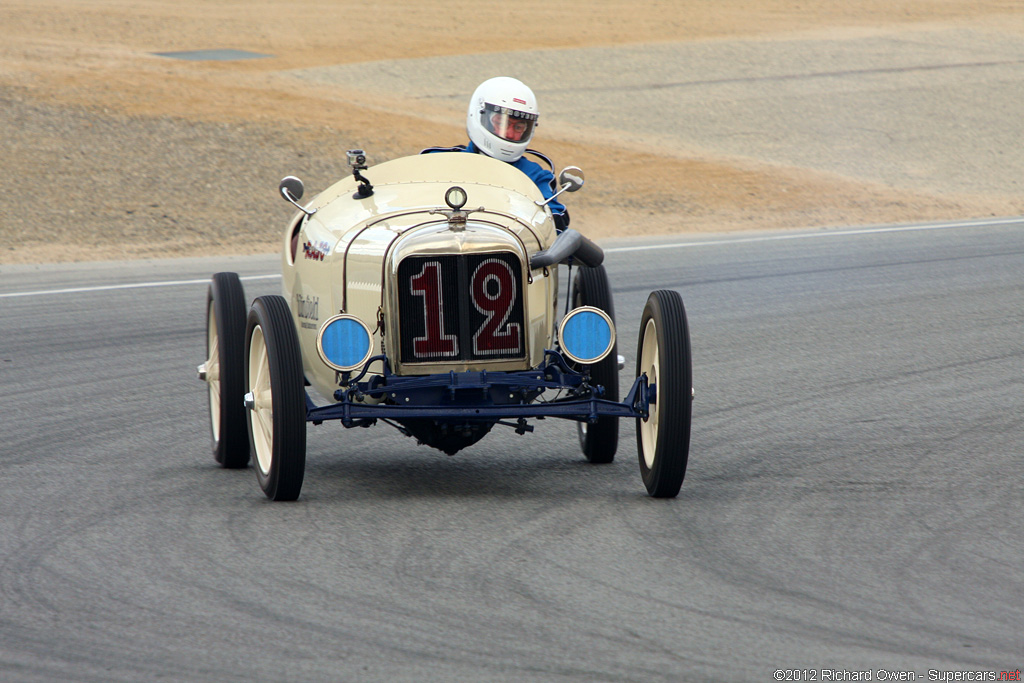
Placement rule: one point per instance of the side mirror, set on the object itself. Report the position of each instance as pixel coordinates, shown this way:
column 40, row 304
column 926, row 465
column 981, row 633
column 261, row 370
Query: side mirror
column 292, row 189
column 571, row 178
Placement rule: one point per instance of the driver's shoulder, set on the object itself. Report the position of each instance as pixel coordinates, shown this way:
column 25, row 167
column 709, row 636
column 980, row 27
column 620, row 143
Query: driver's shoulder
column 535, row 171
column 543, row 157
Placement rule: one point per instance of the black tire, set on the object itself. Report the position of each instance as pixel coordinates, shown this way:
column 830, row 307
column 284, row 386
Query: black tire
column 600, row 440
column 277, row 418
column 663, row 440
column 225, row 367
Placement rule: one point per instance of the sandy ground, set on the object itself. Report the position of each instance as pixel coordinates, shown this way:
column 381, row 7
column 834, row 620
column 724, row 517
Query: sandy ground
column 110, row 151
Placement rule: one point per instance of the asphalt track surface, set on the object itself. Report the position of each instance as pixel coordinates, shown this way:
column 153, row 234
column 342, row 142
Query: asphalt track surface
column 852, row 503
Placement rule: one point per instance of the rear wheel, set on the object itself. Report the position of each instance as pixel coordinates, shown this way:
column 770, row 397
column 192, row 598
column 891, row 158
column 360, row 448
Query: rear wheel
column 276, row 398
column 663, row 353
column 224, row 369
column 599, row 440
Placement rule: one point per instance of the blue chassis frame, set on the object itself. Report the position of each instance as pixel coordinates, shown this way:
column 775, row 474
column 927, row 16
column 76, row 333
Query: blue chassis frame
column 474, row 396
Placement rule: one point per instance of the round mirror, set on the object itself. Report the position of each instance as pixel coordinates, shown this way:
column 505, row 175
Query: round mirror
column 571, row 178
column 292, row 188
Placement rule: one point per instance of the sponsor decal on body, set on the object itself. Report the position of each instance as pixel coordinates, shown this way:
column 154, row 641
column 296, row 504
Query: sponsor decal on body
column 307, row 308
column 316, row 250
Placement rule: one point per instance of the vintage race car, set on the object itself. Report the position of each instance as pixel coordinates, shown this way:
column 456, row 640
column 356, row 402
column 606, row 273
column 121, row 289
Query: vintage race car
column 423, row 294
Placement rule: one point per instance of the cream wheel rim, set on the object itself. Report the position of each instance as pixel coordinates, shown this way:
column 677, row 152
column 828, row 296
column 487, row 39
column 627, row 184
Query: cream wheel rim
column 650, row 363
column 212, row 367
column 261, row 415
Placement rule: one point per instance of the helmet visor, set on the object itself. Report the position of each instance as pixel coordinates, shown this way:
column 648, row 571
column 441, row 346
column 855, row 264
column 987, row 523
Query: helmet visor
column 508, row 124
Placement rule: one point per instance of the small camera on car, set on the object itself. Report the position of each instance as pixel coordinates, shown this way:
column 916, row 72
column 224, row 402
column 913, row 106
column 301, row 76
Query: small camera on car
column 357, row 161
column 356, row 158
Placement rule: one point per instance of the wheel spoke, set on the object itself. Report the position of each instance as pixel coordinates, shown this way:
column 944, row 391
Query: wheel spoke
column 262, row 384
column 266, row 420
column 212, row 364
column 263, row 399
column 262, row 413
column 213, row 371
column 215, row 397
column 649, row 364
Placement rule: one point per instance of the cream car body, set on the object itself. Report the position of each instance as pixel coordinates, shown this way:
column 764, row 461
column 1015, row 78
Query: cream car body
column 344, row 257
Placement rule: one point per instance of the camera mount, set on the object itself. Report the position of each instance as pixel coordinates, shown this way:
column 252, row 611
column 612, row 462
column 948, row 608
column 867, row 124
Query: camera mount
column 357, row 161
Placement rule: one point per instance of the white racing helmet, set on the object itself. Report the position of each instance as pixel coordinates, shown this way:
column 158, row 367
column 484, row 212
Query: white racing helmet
column 501, row 118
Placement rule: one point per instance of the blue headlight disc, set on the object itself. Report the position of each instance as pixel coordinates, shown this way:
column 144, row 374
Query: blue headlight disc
column 586, row 334
column 344, row 342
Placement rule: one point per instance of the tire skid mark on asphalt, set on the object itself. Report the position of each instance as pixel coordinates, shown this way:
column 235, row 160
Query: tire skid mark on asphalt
column 668, row 284
column 824, row 233
column 791, row 77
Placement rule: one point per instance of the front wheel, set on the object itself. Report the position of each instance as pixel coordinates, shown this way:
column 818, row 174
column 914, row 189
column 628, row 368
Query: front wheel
column 663, row 353
column 276, row 398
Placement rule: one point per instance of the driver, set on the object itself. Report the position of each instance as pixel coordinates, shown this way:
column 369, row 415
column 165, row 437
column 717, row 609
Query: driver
column 501, row 118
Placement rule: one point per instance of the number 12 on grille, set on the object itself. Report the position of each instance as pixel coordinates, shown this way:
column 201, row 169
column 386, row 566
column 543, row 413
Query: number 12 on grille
column 461, row 307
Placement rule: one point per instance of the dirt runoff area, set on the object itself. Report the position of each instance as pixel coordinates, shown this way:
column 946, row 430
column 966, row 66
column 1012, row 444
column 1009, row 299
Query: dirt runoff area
column 112, row 150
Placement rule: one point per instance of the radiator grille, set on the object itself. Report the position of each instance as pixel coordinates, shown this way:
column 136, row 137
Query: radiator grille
column 460, row 308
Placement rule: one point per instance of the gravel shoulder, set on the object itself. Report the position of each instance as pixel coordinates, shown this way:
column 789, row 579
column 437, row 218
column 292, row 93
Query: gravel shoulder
column 112, row 152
